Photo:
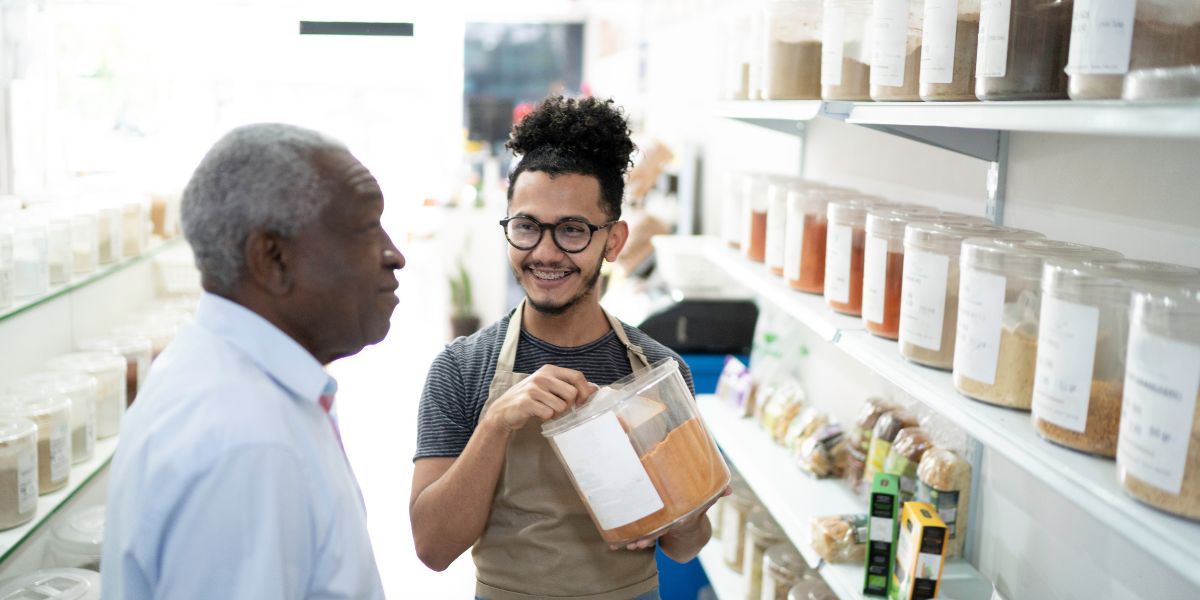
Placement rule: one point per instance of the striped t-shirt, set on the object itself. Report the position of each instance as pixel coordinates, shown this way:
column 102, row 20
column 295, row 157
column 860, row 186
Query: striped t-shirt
column 458, row 382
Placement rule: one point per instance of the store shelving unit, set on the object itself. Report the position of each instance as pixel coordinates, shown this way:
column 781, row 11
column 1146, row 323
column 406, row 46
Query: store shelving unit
column 1090, row 482
column 724, row 581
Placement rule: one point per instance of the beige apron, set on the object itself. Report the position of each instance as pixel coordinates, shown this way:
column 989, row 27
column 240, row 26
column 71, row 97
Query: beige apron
column 540, row 541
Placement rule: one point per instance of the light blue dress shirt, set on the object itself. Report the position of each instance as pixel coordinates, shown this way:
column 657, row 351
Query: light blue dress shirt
column 229, row 481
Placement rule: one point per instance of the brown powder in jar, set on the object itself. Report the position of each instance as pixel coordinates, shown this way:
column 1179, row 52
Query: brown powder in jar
column 1103, row 422
column 45, row 484
column 812, row 256
column 962, row 80
column 1155, row 44
column 858, row 245
column 1038, row 43
column 131, row 379
column 1187, row 502
column 1015, row 368
column 795, row 71
column 758, row 236
column 856, row 82
column 892, row 288
column 911, row 89
column 686, row 471
column 943, row 357
column 10, row 500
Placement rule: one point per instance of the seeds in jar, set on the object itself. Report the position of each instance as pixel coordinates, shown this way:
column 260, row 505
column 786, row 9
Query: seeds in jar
column 1103, row 422
column 1015, row 370
column 962, row 83
column 1187, row 502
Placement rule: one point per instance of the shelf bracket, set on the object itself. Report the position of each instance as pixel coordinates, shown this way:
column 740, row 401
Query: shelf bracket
column 983, row 144
column 997, row 181
column 788, row 126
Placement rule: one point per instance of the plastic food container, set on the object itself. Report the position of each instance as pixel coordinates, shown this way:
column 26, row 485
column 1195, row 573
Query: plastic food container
column 135, row 227
column 76, row 541
column 951, row 37
column 18, row 471
column 159, row 331
column 1174, row 83
column 53, row 417
column 82, row 390
column 1083, row 335
column 783, row 567
column 792, row 69
column 639, row 455
column 31, row 256
column 736, row 508
column 845, row 249
column 731, row 209
column 1158, row 452
column 845, row 55
column 883, row 266
column 999, row 300
column 1023, row 46
column 778, row 191
column 929, row 296
column 109, row 370
column 1109, row 39
column 736, row 80
column 804, row 241
column 754, row 217
column 53, row 584
column 59, row 245
column 7, row 268
column 896, row 56
column 138, row 352
column 85, row 238
column 111, row 231
column 762, row 532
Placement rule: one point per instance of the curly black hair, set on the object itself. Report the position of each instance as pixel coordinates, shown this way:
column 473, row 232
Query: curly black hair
column 579, row 137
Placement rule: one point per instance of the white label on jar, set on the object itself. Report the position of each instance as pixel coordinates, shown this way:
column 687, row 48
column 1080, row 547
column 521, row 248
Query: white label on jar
column 60, row 452
column 923, row 299
column 980, row 312
column 606, row 468
column 732, row 532
column 832, row 42
column 793, row 244
column 837, row 263
column 874, row 279
column 889, row 24
column 1066, row 354
column 768, row 586
column 1162, row 379
column 27, row 480
column 991, row 58
column 937, row 42
column 776, row 230
column 881, row 529
column 1101, row 37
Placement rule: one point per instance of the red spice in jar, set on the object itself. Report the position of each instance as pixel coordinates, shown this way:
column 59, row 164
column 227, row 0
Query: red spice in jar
column 812, row 256
column 893, row 279
column 758, row 237
column 858, row 245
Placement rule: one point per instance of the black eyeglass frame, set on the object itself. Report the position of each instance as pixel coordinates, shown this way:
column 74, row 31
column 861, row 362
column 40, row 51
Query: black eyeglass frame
column 552, row 228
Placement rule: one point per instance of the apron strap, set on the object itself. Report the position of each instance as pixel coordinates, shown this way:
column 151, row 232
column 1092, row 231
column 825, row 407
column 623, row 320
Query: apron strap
column 635, row 352
column 512, row 337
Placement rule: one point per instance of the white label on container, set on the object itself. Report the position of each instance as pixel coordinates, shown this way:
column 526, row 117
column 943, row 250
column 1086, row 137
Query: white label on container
column 793, row 243
column 889, row 25
column 923, row 299
column 940, row 26
column 60, row 452
column 991, row 58
column 833, row 38
column 768, row 586
column 607, row 470
column 837, row 263
column 27, row 480
column 1101, row 37
column 776, row 230
column 874, row 279
column 732, row 532
column 1066, row 354
column 1162, row 379
column 881, row 529
column 980, row 313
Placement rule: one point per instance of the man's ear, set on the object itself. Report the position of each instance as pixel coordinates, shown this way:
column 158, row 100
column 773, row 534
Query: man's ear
column 267, row 263
column 618, row 235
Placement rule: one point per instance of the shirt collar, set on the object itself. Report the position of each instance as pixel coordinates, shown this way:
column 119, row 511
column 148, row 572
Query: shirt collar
column 276, row 353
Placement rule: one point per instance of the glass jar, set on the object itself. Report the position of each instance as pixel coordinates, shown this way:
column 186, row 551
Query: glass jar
column 18, row 471
column 813, row 588
column 135, row 227
column 109, row 370
column 754, row 217
column 137, row 350
column 159, row 331
column 717, row 514
column 1158, row 452
column 999, row 299
column 778, row 190
column 738, row 507
column 1023, row 46
column 111, row 231
column 731, row 209
column 792, row 70
column 7, row 268
column 783, row 567
column 883, row 266
column 1083, row 336
column 948, row 50
column 929, row 296
column 896, row 57
column 59, row 245
column 762, row 532
column 758, row 52
column 1167, row 83
column 845, row 55
column 804, row 240
column 76, row 541
column 1111, row 39
column 53, row 584
column 661, row 465
column 52, row 414
column 81, row 390
column 85, row 238
column 844, row 254
column 735, row 83
column 31, row 256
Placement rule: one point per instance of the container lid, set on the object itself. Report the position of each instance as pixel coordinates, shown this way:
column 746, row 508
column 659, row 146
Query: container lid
column 889, row 220
column 762, row 525
column 811, row 201
column 957, row 217
column 1027, row 256
column 1163, row 83
column 1121, row 274
column 949, row 235
column 851, row 209
column 66, row 383
column 15, row 428
column 610, row 396
column 124, row 345
column 29, row 403
column 88, row 362
column 82, row 533
column 786, row 557
column 53, row 584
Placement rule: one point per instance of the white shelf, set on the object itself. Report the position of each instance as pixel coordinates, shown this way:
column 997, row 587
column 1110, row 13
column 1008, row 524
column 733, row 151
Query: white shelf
column 784, row 110
column 1090, row 482
column 794, row 498
column 726, row 583
column 48, row 504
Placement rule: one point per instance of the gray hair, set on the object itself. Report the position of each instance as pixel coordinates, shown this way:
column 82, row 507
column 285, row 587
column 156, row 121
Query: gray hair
column 257, row 177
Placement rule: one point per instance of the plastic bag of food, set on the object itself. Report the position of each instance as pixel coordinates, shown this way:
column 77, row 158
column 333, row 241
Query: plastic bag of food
column 824, row 453
column 840, row 538
column 786, row 402
column 802, row 426
column 733, row 386
column 856, row 464
column 872, row 409
column 910, row 445
column 944, row 480
column 887, row 427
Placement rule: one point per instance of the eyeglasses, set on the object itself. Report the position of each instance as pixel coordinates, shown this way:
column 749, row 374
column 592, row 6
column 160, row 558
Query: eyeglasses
column 570, row 235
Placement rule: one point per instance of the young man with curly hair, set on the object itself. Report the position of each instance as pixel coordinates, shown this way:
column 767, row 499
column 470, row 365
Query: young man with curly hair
column 484, row 476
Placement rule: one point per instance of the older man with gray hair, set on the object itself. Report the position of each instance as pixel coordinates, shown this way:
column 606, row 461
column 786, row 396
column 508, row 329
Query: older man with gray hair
column 230, row 480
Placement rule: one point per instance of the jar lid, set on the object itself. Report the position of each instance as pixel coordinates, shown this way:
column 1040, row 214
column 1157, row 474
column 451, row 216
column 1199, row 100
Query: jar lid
column 124, row 345
column 15, row 428
column 950, row 234
column 957, row 217
column 66, row 383
column 785, row 557
column 53, row 584
column 1178, row 306
column 890, row 219
column 1121, row 274
column 88, row 362
column 1163, row 83
column 762, row 525
column 1028, row 255
column 610, row 396
column 31, row 403
column 82, row 533
column 852, row 209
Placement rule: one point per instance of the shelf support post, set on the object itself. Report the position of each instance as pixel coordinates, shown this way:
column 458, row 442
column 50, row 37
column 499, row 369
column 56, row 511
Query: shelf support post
column 997, row 181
